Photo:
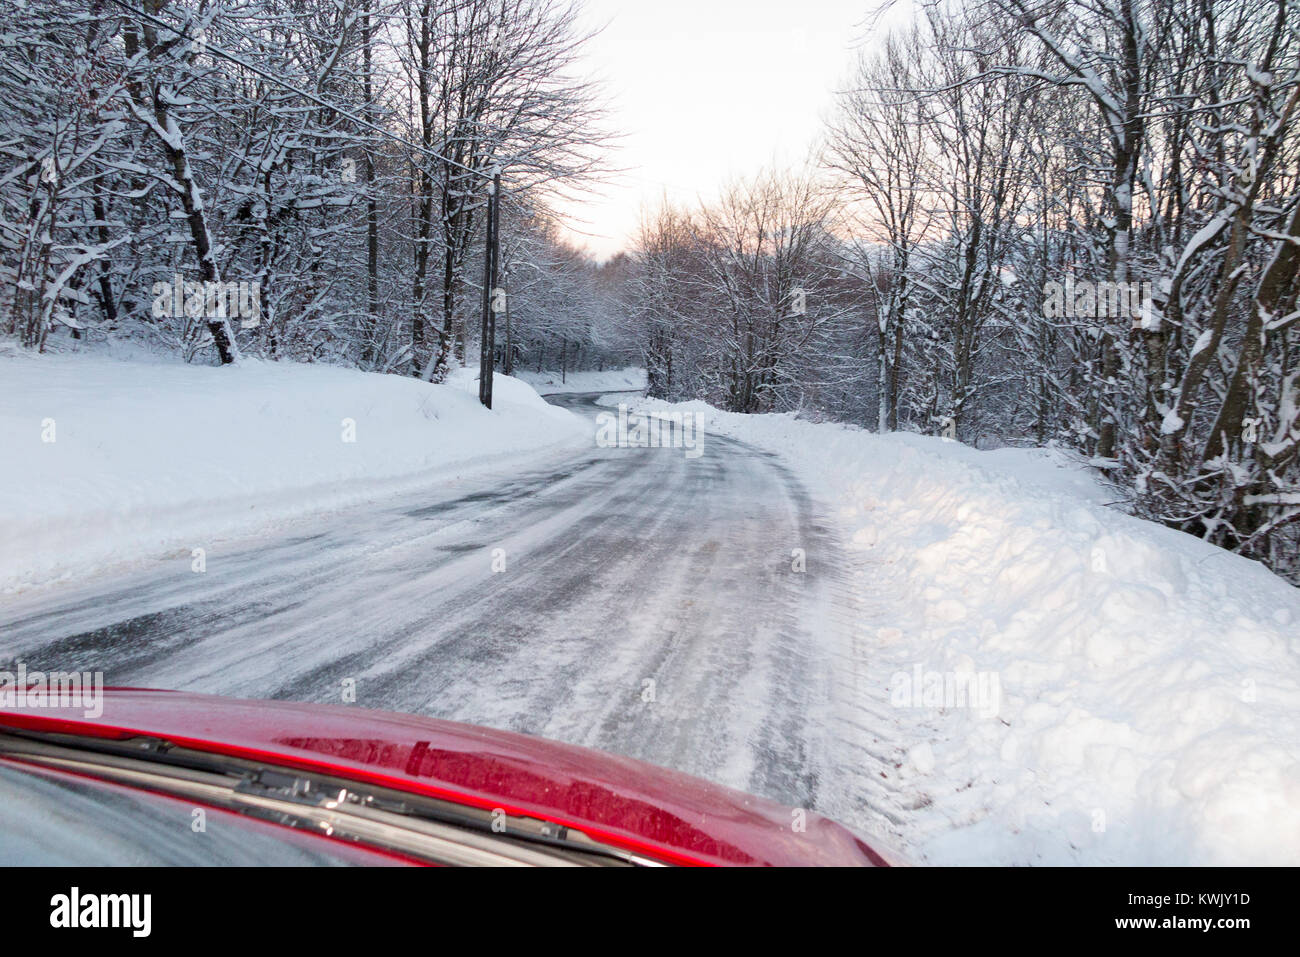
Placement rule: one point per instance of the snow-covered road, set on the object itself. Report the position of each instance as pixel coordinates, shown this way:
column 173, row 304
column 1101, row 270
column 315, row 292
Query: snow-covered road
column 639, row 601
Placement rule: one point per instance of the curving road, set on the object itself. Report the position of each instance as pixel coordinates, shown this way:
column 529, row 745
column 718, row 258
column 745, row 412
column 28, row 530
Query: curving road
column 647, row 606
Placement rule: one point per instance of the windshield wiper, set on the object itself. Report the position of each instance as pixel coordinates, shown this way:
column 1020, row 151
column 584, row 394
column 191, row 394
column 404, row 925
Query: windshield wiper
column 425, row 828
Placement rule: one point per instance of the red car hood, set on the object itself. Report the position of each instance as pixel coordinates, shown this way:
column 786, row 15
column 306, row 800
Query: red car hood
column 659, row 813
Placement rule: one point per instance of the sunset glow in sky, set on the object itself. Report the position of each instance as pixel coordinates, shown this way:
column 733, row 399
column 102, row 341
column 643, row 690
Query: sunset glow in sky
column 705, row 91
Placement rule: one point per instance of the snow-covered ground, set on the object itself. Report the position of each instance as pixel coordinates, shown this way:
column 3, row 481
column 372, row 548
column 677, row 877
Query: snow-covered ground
column 630, row 379
column 1141, row 689
column 984, row 662
column 107, row 461
column 638, row 601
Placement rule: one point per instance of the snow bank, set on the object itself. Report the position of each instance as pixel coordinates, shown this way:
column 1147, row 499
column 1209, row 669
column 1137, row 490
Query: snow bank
column 1148, row 706
column 630, row 379
column 107, row 461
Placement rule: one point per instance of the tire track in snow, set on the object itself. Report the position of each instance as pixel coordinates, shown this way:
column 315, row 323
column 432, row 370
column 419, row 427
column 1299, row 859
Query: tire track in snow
column 622, row 566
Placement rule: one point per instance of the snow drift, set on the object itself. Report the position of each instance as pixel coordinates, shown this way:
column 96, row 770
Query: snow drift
column 1149, row 707
column 109, row 461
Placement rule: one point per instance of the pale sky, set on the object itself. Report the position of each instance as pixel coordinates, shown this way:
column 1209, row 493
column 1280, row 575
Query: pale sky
column 705, row 91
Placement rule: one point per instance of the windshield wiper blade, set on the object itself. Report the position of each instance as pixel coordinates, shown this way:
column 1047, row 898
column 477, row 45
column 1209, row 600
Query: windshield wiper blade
column 423, row 827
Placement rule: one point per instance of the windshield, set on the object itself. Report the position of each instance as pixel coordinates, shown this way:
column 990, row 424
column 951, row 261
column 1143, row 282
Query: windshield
column 50, row 819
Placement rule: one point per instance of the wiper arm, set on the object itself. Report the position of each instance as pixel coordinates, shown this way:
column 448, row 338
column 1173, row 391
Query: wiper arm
column 425, row 828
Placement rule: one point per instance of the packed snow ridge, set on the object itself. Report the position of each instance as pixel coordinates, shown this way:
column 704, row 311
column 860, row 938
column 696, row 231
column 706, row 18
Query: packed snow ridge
column 1148, row 684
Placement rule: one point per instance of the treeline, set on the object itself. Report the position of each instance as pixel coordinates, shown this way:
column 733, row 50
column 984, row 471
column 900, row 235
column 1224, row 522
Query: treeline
column 1067, row 221
column 330, row 160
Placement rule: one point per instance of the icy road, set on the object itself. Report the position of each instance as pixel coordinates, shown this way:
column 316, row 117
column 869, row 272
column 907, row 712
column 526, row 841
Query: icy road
column 633, row 600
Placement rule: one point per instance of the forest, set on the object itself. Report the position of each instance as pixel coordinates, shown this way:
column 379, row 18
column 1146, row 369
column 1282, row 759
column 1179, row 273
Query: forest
column 1070, row 222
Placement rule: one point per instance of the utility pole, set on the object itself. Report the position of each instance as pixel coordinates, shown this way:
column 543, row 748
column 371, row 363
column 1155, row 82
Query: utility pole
column 508, row 358
column 491, row 256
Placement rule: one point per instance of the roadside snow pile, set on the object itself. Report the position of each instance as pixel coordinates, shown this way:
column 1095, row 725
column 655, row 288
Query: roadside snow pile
column 107, row 461
column 1146, row 705
column 630, row 379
